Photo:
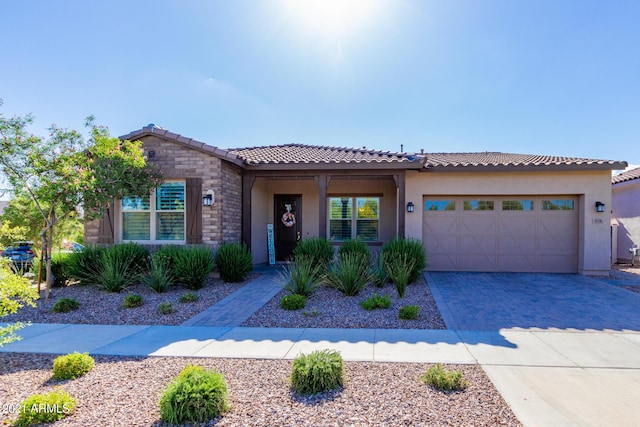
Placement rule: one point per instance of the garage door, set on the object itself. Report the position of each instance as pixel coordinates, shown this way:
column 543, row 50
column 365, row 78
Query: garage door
column 515, row 233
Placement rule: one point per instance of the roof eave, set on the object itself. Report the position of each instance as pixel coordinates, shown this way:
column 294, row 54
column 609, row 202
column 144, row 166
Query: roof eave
column 406, row 165
column 614, row 165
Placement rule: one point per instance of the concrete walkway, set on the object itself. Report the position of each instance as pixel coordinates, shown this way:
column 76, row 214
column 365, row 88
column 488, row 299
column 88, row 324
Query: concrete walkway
column 548, row 377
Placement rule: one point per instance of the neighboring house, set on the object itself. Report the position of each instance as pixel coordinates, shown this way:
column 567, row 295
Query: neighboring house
column 474, row 211
column 625, row 206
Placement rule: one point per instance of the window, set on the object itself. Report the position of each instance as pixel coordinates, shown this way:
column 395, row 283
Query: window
column 478, row 205
column 354, row 217
column 557, row 205
column 156, row 217
column 440, row 205
column 517, row 205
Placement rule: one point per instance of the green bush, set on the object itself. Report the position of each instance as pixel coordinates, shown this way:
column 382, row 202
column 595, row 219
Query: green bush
column 413, row 251
column 193, row 265
column 355, row 246
column 376, row 301
column 165, row 308
column 84, row 266
column 132, row 301
column 400, row 267
column 72, row 366
column 194, row 396
column 160, row 275
column 189, row 297
column 408, row 312
column 166, row 256
column 302, row 277
column 293, row 302
column 122, row 266
column 319, row 250
column 319, row 371
column 65, row 305
column 234, row 262
column 349, row 274
column 45, row 408
column 379, row 274
column 60, row 262
column 437, row 377
column 15, row 292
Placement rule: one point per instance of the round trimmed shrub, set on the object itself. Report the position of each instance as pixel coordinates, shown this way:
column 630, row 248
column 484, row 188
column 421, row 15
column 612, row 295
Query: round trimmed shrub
column 319, row 371
column 132, row 301
column 234, row 262
column 45, row 408
column 72, row 366
column 194, row 396
column 65, row 305
column 293, row 302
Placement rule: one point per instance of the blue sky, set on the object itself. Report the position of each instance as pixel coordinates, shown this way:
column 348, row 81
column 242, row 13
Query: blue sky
column 552, row 77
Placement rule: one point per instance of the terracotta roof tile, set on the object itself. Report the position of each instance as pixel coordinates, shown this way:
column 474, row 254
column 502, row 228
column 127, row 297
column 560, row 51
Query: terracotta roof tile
column 312, row 154
column 492, row 159
column 629, row 175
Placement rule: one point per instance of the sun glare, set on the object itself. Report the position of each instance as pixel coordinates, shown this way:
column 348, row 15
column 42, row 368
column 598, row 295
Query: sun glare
column 332, row 17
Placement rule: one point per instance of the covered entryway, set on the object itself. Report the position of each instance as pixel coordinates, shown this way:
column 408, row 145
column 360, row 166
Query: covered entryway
column 505, row 233
column 288, row 224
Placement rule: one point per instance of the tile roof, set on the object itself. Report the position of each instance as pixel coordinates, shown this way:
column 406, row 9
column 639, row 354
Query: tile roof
column 312, row 154
column 495, row 159
column 626, row 176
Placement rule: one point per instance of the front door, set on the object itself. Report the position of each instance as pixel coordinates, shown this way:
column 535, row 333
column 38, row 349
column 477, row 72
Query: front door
column 288, row 224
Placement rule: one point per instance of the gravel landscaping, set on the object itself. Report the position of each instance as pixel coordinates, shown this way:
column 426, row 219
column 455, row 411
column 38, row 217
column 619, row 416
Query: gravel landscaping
column 330, row 308
column 125, row 392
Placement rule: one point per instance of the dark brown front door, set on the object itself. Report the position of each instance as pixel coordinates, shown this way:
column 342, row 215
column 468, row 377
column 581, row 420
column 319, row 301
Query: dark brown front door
column 287, row 224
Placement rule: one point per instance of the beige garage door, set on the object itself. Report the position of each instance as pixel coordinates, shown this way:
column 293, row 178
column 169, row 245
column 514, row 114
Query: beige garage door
column 516, row 233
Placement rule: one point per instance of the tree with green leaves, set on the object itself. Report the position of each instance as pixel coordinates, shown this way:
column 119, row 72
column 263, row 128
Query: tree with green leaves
column 15, row 292
column 66, row 172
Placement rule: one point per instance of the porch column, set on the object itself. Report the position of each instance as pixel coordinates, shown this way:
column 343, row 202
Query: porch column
column 323, row 183
column 399, row 179
column 247, row 185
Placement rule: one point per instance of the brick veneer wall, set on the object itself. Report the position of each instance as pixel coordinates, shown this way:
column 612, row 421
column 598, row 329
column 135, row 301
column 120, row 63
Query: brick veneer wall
column 222, row 222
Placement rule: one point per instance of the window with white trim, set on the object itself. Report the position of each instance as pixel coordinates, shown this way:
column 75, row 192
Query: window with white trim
column 158, row 217
column 354, row 217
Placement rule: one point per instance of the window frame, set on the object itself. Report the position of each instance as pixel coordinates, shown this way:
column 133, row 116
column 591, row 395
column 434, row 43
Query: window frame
column 153, row 212
column 353, row 218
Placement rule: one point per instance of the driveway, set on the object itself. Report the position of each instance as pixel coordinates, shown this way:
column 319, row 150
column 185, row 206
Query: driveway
column 494, row 301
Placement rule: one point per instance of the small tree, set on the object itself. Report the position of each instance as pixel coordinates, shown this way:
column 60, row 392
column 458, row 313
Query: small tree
column 65, row 172
column 15, row 292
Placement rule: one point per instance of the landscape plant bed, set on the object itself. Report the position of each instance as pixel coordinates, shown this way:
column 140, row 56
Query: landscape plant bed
column 125, row 392
column 105, row 308
column 330, row 308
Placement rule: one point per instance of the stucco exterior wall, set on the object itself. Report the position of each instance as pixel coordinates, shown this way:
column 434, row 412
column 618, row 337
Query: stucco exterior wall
column 625, row 202
column 590, row 186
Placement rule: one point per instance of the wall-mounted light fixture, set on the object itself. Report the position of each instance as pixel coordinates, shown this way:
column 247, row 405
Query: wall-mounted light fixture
column 209, row 198
column 599, row 207
column 410, row 207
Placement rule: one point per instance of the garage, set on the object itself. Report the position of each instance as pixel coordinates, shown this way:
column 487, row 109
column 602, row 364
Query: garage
column 501, row 233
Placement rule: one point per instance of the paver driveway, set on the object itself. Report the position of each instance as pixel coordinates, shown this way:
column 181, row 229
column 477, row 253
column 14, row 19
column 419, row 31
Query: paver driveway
column 493, row 301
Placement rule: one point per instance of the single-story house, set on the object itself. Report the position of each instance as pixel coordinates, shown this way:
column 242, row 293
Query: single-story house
column 473, row 211
column 625, row 206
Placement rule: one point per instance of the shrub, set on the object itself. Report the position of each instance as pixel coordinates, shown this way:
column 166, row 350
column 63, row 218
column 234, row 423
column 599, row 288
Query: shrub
column 84, row 266
column 234, row 262
column 15, row 292
column 376, row 301
column 349, row 274
column 413, row 250
column 165, row 308
column 379, row 274
column 293, row 302
column 408, row 312
column 437, row 377
column 302, row 277
column 355, row 246
column 72, row 366
column 60, row 262
column 400, row 267
column 160, row 274
column 132, row 301
column 319, row 371
column 192, row 266
column 65, row 305
column 194, row 396
column 319, row 250
column 45, row 408
column 166, row 255
column 189, row 297
column 121, row 266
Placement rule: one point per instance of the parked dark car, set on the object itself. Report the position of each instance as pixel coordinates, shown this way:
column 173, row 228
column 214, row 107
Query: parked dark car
column 22, row 254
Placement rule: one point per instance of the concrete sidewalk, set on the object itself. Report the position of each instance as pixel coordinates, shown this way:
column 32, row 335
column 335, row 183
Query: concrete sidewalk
column 547, row 377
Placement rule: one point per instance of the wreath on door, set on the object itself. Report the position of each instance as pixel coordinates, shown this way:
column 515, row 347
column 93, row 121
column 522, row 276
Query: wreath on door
column 288, row 219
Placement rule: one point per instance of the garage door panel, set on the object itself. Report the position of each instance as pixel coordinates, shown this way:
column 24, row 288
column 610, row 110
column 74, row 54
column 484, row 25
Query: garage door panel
column 502, row 240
